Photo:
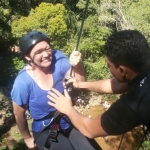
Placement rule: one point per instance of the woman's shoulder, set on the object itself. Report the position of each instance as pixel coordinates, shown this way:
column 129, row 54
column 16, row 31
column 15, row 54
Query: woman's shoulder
column 22, row 77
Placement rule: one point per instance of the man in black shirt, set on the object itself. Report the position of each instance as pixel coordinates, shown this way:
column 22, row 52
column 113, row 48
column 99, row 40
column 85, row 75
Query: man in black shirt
column 127, row 54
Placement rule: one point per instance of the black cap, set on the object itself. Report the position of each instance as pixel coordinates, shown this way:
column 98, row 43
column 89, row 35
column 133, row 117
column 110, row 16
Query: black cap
column 28, row 41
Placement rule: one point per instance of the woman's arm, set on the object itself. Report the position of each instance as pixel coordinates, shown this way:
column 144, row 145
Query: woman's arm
column 77, row 67
column 19, row 112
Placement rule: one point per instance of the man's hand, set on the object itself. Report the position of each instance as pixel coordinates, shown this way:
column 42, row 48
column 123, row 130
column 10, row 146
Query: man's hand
column 30, row 142
column 75, row 58
column 60, row 102
column 72, row 81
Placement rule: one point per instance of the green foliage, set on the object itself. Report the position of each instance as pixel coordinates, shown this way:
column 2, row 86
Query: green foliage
column 4, row 27
column 92, row 6
column 97, row 70
column 48, row 18
column 145, row 145
column 17, row 63
column 10, row 66
column 9, row 9
column 20, row 145
column 61, row 22
column 92, row 40
column 126, row 14
column 138, row 15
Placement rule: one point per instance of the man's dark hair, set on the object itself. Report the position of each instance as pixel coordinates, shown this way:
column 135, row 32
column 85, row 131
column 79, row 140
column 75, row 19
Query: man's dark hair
column 129, row 48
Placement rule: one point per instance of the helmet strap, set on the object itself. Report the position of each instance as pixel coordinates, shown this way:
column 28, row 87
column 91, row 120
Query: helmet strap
column 32, row 61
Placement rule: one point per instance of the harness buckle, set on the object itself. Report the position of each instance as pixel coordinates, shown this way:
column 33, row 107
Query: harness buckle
column 54, row 132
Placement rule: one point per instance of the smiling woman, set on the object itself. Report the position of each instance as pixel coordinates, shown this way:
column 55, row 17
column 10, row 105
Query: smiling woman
column 44, row 68
column 41, row 55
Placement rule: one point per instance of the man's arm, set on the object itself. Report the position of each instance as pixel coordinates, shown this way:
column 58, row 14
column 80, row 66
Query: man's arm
column 21, row 121
column 108, row 86
column 87, row 126
column 90, row 128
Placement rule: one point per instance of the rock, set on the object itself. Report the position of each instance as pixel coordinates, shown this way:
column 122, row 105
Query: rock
column 87, row 107
column 106, row 105
column 95, row 100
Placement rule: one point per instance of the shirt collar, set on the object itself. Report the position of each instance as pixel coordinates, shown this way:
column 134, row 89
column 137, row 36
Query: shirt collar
column 140, row 76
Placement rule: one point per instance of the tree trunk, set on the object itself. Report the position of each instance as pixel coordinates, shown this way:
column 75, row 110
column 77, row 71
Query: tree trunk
column 28, row 6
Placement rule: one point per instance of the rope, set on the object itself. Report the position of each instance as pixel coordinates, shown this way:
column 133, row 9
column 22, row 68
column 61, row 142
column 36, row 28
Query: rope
column 79, row 35
column 83, row 18
column 145, row 133
column 120, row 141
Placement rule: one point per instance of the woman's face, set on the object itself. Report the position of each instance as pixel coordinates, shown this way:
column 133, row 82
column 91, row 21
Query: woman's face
column 41, row 54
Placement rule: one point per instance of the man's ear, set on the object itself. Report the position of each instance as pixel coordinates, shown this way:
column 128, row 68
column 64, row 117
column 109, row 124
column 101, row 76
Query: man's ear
column 123, row 70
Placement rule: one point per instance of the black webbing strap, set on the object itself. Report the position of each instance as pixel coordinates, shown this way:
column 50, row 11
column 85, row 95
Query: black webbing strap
column 52, row 135
column 57, row 113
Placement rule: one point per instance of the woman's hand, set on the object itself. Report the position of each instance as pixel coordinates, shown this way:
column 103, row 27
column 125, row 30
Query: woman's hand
column 75, row 58
column 30, row 142
column 60, row 102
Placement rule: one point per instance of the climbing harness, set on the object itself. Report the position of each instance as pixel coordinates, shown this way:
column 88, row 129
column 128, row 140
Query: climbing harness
column 53, row 132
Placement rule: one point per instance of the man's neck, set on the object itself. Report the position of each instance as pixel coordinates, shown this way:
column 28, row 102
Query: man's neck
column 131, row 75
